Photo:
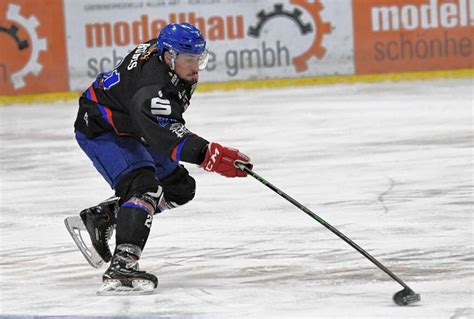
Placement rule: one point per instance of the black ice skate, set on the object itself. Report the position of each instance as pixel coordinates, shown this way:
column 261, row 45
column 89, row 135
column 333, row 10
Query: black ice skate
column 99, row 222
column 123, row 276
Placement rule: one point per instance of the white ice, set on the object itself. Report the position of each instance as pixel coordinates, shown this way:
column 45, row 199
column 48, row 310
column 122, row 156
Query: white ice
column 390, row 165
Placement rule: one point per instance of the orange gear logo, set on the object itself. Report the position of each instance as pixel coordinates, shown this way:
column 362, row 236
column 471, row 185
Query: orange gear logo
column 322, row 28
column 32, row 47
column 37, row 44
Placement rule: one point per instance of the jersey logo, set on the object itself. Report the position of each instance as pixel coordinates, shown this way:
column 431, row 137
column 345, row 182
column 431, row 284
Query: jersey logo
column 163, row 121
column 160, row 106
column 179, row 129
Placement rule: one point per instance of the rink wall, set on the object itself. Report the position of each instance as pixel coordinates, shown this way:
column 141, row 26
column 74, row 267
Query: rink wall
column 52, row 46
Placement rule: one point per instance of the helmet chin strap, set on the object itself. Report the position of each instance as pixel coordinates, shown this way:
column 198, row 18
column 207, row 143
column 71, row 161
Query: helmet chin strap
column 174, row 55
column 172, row 64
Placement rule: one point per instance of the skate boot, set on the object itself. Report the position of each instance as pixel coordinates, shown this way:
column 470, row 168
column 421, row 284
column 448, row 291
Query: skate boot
column 100, row 224
column 123, row 276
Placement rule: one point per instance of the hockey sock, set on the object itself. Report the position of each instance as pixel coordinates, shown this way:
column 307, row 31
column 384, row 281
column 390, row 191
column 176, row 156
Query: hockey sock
column 134, row 221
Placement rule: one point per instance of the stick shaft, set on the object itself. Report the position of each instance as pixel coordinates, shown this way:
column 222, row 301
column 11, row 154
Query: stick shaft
column 322, row 222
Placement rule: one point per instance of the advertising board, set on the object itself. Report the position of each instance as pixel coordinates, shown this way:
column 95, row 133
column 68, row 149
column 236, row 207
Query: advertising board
column 413, row 35
column 247, row 39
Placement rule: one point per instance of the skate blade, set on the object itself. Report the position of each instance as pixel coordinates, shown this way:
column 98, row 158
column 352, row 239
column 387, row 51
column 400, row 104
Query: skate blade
column 75, row 227
column 115, row 288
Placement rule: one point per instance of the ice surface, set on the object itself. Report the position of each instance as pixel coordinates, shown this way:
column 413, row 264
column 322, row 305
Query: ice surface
column 390, row 165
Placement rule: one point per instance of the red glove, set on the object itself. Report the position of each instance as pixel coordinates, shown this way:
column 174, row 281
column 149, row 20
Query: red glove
column 220, row 159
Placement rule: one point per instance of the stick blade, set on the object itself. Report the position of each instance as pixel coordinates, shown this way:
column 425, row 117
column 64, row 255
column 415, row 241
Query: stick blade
column 406, row 297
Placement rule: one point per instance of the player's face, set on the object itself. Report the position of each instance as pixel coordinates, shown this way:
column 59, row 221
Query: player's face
column 187, row 66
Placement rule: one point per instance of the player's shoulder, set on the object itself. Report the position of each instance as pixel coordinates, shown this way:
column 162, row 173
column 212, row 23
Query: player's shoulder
column 153, row 79
column 154, row 70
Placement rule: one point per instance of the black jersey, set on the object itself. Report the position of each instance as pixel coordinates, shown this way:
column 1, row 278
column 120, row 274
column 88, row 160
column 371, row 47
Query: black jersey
column 144, row 99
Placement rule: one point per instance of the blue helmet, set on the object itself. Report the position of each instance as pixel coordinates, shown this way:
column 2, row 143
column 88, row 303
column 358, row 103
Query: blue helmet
column 181, row 38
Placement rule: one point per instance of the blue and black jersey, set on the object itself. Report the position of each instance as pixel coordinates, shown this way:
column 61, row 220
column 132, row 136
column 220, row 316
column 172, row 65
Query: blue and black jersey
column 145, row 99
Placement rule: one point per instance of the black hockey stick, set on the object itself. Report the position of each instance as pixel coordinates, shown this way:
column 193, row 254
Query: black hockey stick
column 401, row 298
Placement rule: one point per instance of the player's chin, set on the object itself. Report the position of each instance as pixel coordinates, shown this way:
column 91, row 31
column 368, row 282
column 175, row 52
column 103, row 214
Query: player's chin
column 193, row 77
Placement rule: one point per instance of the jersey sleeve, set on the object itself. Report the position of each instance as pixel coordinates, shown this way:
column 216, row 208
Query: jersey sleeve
column 158, row 119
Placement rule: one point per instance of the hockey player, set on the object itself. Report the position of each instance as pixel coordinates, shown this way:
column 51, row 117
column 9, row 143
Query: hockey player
column 130, row 124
